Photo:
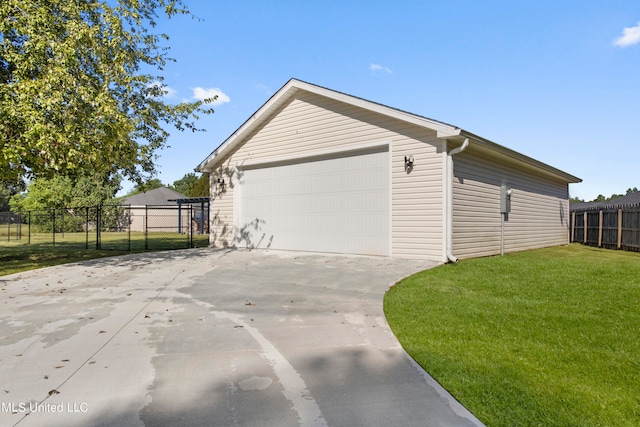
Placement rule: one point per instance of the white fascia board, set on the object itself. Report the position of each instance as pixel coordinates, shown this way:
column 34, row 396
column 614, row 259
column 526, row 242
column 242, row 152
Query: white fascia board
column 289, row 90
column 235, row 138
column 443, row 130
column 448, row 134
column 378, row 108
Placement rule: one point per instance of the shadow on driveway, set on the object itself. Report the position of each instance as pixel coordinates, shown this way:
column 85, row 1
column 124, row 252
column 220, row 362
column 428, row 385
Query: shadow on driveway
column 204, row 337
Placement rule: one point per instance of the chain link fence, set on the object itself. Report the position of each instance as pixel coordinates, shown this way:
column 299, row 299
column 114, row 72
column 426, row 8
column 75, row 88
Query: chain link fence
column 108, row 227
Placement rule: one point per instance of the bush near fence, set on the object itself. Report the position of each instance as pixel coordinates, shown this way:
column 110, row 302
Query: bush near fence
column 10, row 225
column 116, row 227
column 607, row 228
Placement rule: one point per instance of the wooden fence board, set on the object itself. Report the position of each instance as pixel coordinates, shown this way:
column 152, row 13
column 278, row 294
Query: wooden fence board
column 607, row 228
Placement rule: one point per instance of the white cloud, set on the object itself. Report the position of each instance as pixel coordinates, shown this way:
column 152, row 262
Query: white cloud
column 264, row 88
column 204, row 93
column 630, row 36
column 379, row 68
column 169, row 92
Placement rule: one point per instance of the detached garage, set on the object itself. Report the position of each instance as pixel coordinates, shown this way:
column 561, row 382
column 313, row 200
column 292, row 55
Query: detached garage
column 318, row 170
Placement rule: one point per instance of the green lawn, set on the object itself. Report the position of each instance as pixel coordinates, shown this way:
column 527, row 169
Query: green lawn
column 548, row 337
column 18, row 255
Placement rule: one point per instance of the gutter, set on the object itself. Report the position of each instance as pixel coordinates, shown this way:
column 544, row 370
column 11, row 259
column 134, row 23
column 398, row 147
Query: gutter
column 449, row 185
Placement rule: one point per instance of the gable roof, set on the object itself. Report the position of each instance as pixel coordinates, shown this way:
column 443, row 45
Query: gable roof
column 158, row 196
column 629, row 199
column 443, row 130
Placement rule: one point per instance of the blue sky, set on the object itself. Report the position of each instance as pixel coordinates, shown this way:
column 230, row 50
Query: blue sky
column 556, row 80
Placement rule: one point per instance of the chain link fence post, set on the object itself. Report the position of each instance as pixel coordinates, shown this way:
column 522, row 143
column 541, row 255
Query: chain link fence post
column 98, row 225
column 146, row 224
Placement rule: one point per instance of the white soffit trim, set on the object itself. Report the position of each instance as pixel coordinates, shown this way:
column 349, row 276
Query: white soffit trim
column 443, row 130
column 279, row 98
column 378, row 108
column 288, row 91
column 514, row 156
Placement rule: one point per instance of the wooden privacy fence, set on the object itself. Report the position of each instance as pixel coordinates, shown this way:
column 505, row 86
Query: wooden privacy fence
column 607, row 228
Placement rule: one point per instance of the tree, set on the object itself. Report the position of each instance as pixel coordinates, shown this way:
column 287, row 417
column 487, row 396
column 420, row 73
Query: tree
column 184, row 184
column 192, row 186
column 74, row 99
column 63, row 192
column 602, row 198
column 143, row 187
column 201, row 187
column 5, row 195
column 6, row 192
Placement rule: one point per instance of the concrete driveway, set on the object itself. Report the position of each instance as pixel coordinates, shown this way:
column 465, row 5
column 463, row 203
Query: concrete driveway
column 212, row 338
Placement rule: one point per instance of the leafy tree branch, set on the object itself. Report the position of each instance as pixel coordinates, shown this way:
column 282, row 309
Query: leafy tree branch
column 74, row 99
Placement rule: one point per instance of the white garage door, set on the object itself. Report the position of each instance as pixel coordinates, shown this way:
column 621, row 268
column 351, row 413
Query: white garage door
column 339, row 204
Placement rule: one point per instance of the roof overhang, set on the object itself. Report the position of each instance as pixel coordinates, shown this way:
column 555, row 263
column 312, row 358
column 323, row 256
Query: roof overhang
column 288, row 92
column 507, row 155
column 443, row 130
column 190, row 200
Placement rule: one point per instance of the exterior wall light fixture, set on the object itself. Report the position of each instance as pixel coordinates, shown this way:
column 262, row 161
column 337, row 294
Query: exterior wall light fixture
column 222, row 185
column 408, row 163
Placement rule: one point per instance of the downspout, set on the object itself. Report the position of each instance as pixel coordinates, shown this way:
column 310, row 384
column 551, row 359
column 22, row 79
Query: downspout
column 449, row 178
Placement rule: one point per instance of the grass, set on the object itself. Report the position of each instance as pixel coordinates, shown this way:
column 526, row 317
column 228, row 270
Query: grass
column 548, row 337
column 17, row 255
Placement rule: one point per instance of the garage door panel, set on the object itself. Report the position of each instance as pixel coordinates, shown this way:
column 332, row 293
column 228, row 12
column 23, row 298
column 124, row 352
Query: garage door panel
column 330, row 205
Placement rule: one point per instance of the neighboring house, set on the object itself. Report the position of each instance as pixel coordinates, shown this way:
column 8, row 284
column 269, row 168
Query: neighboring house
column 157, row 210
column 631, row 200
column 318, row 170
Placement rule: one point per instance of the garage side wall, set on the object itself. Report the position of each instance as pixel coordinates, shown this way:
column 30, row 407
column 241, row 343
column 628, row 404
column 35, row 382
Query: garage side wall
column 310, row 124
column 539, row 208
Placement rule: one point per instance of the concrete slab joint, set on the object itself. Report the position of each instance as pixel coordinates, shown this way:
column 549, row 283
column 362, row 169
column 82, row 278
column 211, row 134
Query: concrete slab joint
column 212, row 337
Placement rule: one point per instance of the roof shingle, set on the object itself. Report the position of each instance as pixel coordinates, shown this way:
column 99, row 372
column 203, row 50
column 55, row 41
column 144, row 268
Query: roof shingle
column 632, row 199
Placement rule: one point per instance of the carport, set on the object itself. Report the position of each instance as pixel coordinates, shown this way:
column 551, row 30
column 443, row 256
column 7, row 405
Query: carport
column 203, row 201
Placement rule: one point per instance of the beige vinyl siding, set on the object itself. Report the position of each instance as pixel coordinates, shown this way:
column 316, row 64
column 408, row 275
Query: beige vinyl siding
column 310, row 124
column 416, row 200
column 539, row 208
column 221, row 207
